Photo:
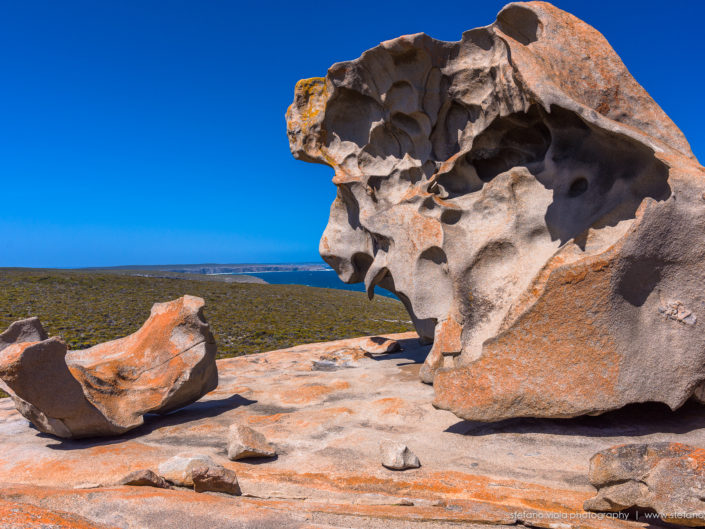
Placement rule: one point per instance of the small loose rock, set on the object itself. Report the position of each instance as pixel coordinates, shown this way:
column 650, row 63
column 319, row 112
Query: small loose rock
column 144, row 478
column 244, row 442
column 215, row 479
column 178, row 469
column 397, row 456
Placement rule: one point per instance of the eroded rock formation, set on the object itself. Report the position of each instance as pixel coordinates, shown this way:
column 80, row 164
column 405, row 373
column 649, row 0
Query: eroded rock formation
column 107, row 389
column 667, row 478
column 538, row 214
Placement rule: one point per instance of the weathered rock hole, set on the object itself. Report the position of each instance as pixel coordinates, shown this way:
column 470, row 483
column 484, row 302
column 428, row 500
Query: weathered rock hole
column 516, row 140
column 520, row 23
column 435, row 255
column 361, row 264
column 578, row 187
column 451, row 216
column 351, row 115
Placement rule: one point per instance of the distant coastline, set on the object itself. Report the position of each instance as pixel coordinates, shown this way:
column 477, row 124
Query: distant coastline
column 216, row 268
column 318, row 275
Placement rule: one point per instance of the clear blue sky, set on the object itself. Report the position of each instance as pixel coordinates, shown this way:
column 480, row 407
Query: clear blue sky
column 144, row 131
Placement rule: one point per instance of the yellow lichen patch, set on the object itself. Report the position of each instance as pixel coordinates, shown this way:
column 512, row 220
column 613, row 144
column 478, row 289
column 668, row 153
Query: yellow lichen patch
column 311, row 90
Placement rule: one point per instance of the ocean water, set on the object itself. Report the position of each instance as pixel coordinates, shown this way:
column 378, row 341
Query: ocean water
column 315, row 278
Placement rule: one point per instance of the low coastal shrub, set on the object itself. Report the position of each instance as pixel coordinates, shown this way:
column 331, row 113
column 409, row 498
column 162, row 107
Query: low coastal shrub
column 86, row 308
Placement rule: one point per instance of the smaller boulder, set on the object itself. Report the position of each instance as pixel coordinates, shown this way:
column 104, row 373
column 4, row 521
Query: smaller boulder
column 244, row 442
column 379, row 345
column 178, row 470
column 668, row 478
column 27, row 330
column 215, row 479
column 144, row 478
column 397, row 456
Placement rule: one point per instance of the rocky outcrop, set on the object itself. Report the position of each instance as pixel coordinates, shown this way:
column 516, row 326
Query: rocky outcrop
column 534, row 209
column 107, row 389
column 327, row 426
column 666, row 478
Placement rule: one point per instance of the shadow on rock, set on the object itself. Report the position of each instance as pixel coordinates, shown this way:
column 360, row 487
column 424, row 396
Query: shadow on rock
column 411, row 349
column 632, row 420
column 198, row 410
column 258, row 460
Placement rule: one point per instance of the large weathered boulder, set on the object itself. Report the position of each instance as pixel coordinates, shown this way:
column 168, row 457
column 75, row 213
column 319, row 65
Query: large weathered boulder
column 106, row 390
column 667, row 478
column 168, row 363
column 535, row 210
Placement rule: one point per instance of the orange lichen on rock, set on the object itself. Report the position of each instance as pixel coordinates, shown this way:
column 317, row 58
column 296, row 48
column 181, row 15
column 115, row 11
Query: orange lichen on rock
column 328, row 467
column 107, row 389
column 169, row 362
column 308, row 393
column 26, row 516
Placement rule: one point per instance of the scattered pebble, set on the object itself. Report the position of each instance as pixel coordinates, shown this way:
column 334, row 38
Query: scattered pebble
column 144, row 478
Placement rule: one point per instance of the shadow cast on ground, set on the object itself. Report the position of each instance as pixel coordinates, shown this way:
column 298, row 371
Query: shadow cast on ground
column 202, row 409
column 632, row 420
column 411, row 349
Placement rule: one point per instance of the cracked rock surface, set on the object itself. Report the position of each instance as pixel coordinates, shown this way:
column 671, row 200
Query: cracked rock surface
column 538, row 214
column 107, row 389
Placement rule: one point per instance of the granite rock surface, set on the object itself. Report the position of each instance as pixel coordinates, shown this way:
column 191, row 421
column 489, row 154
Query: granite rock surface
column 533, row 207
column 327, row 426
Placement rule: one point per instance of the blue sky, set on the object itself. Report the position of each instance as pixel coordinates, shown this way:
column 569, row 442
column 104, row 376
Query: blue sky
column 147, row 132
